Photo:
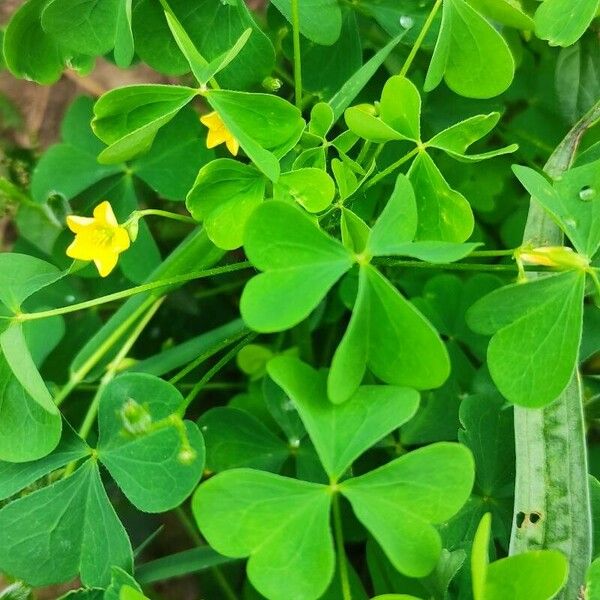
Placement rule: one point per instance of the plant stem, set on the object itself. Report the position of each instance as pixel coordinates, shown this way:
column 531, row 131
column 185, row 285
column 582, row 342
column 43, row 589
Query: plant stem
column 392, row 168
column 113, row 368
column 43, row 314
column 297, row 56
column 426, row 26
column 492, row 253
column 165, row 214
column 78, row 376
column 214, row 370
column 339, row 542
column 414, row 264
column 205, row 356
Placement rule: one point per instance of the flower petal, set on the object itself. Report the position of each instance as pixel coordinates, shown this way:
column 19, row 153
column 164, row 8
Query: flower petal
column 103, row 213
column 120, row 241
column 82, row 248
column 77, row 224
column 106, row 262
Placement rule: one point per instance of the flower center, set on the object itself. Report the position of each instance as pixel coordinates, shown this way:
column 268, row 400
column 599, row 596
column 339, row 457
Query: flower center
column 102, row 236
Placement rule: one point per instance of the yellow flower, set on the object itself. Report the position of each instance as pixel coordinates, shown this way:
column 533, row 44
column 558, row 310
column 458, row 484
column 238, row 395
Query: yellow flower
column 100, row 238
column 218, row 133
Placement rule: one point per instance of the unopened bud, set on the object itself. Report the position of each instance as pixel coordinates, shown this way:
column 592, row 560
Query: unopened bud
column 554, row 256
column 271, row 84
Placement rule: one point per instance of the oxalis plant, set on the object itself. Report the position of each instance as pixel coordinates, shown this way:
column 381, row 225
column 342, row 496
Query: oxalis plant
column 318, row 318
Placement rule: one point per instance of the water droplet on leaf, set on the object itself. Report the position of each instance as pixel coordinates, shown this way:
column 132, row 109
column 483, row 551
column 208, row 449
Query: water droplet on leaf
column 587, row 193
column 406, row 21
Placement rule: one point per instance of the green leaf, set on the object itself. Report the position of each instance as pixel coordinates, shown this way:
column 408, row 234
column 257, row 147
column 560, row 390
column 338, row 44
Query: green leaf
column 235, row 438
column 399, row 502
column 266, row 126
column 16, row 476
column 63, row 530
column 301, row 264
column 535, row 575
column 480, row 556
column 397, row 223
column 21, row 276
column 326, row 68
column 312, row 188
column 85, row 26
column 400, row 107
column 507, row 12
column 225, row 194
column 128, row 118
column 147, row 464
column 124, row 43
column 470, row 55
column 433, row 252
column 362, row 121
column 27, row 430
column 592, row 581
column 180, row 563
column 355, row 232
column 390, row 336
column 341, row 433
column 457, row 138
column 281, row 524
column 444, row 214
column 228, row 21
column 321, row 119
column 29, row 52
column 573, row 202
column 577, row 78
column 404, row 349
column 537, row 332
column 563, row 22
column 348, row 92
column 320, row 20
column 17, row 355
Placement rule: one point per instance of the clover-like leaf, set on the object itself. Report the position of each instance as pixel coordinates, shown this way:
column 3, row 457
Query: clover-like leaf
column 320, row 20
column 563, row 22
column 282, row 524
column 397, row 223
column 455, row 139
column 300, row 263
column 87, row 26
column 16, row 476
column 30, row 52
column 341, row 433
column 444, row 214
column 128, row 118
column 21, row 276
column 391, row 337
column 536, row 329
column 534, row 575
column 62, row 530
column 312, row 188
column 235, row 438
column 400, row 501
column 470, row 55
column 265, row 126
column 507, row 12
column 225, row 194
column 399, row 114
column 573, row 201
column 155, row 460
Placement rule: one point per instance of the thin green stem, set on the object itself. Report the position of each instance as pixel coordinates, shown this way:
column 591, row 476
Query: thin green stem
column 492, row 253
column 297, row 57
column 214, row 370
column 147, row 212
column 339, row 542
column 78, row 376
column 392, row 167
column 426, row 26
column 363, row 151
column 139, row 289
column 413, row 264
column 205, row 356
column 113, row 368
